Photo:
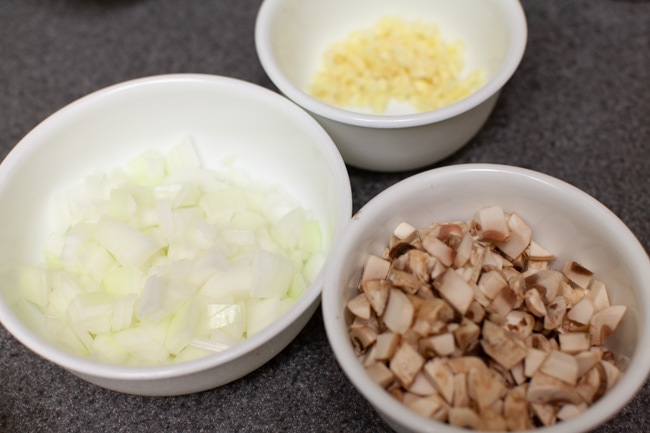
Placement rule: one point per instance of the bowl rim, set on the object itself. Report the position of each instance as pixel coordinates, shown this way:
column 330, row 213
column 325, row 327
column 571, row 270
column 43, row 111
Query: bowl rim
column 515, row 16
column 311, row 296
column 635, row 376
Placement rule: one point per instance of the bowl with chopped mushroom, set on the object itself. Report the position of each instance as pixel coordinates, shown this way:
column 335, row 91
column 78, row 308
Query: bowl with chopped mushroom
column 489, row 297
column 398, row 85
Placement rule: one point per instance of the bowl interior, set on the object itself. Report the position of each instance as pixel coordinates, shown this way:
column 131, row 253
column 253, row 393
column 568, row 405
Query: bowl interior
column 293, row 34
column 564, row 220
column 270, row 137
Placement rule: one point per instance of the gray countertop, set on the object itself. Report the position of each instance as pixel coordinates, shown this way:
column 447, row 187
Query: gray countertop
column 578, row 108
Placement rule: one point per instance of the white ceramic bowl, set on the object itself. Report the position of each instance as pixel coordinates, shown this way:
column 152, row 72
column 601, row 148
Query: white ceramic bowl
column 291, row 36
column 272, row 137
column 565, row 220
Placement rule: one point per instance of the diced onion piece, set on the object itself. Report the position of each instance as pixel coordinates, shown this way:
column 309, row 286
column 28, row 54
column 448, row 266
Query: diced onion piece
column 163, row 261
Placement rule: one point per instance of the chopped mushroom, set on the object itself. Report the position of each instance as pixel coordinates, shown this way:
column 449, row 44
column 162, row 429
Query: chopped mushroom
column 578, row 274
column 399, row 312
column 380, row 374
column 562, row 366
column 604, row 322
column 455, row 290
column 376, row 292
column 501, row 345
column 406, row 364
column 468, row 323
column 375, row 268
column 491, row 224
column 441, row 377
column 360, row 306
column 362, row 337
column 518, row 237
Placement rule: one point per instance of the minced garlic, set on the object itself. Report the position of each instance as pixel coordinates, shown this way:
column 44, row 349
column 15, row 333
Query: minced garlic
column 405, row 62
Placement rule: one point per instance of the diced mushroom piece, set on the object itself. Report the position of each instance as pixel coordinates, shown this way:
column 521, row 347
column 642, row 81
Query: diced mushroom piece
column 491, row 420
column 555, row 312
column 586, row 360
column 545, row 389
column 406, row 364
column 545, row 413
column 438, row 269
column 405, row 232
column 577, row 274
column 568, row 411
column 461, row 396
column 360, row 306
column 561, row 366
column 520, row 323
column 515, row 410
column 443, row 344
column 362, row 337
column 583, row 311
column 375, row 268
column 372, row 322
column 429, row 407
column 464, row 417
column 539, row 341
column 504, row 302
column 385, row 345
column 380, row 374
column 491, row 283
column 500, row 345
column 535, row 302
column 537, row 252
column 475, row 312
column 420, row 263
column 572, row 295
column 447, row 231
column 569, row 326
column 491, row 224
column 398, row 250
column 532, row 362
column 593, row 384
column 406, row 281
column 533, row 266
column 520, row 234
column 574, row 342
column 399, row 312
column 463, row 251
column 604, row 323
column 548, row 282
column 422, row 386
column 376, row 292
column 611, row 372
column 441, row 377
column 517, row 373
column 454, row 290
column 598, row 295
column 438, row 249
column 484, row 388
column 494, row 260
column 467, row 335
column 433, row 315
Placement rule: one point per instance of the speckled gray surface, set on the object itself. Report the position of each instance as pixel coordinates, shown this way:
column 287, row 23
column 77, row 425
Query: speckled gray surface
column 578, row 108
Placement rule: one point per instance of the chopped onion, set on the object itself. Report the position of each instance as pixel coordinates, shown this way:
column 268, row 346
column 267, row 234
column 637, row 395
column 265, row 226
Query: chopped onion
column 164, row 261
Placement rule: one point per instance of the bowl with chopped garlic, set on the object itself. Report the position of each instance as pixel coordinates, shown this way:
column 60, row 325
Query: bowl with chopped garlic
column 492, row 298
column 397, row 85
column 166, row 235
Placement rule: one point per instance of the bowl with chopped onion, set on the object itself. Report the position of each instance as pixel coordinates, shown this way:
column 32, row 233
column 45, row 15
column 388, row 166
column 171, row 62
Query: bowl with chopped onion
column 492, row 298
column 166, row 235
column 397, row 85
